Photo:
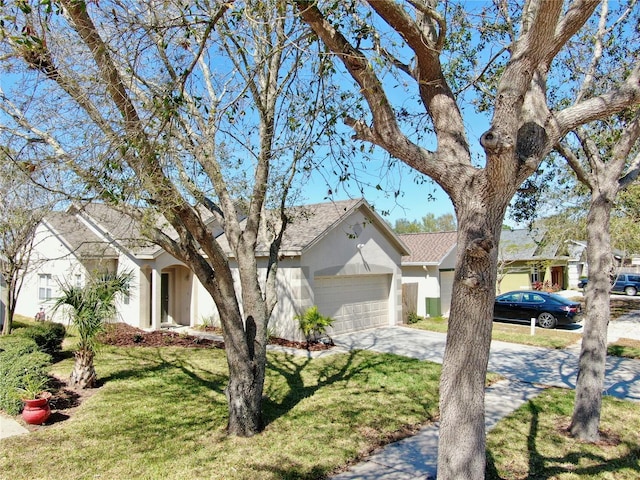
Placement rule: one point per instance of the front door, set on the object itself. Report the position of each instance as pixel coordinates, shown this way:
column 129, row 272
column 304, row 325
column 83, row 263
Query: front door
column 164, row 298
column 557, row 276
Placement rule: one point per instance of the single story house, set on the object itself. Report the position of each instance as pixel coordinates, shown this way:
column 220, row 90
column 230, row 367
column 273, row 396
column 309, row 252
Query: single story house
column 578, row 267
column 428, row 272
column 528, row 259
column 341, row 256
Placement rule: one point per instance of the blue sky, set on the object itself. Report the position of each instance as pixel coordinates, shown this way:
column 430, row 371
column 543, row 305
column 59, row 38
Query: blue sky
column 416, row 199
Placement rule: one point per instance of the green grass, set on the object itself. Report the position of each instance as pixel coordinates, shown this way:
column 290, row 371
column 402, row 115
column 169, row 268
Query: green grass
column 532, row 443
column 508, row 332
column 625, row 347
column 161, row 414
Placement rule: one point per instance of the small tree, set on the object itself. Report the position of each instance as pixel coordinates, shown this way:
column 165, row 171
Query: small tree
column 313, row 324
column 21, row 208
column 91, row 306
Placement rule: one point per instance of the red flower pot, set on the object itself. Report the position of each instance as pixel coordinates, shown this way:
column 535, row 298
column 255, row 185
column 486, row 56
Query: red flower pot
column 36, row 411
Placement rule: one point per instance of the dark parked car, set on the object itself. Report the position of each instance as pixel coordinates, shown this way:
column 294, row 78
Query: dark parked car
column 548, row 309
column 627, row 283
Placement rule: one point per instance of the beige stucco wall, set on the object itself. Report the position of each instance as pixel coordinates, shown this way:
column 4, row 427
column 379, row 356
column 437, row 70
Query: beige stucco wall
column 428, row 280
column 62, row 267
column 65, row 267
column 515, row 281
column 357, row 247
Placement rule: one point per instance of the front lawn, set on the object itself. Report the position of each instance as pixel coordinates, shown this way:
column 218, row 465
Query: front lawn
column 532, row 443
column 511, row 332
column 625, row 347
column 161, row 414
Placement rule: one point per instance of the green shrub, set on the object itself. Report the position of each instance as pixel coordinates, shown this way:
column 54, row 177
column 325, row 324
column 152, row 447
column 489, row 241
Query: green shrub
column 48, row 336
column 413, row 317
column 21, row 362
column 313, row 324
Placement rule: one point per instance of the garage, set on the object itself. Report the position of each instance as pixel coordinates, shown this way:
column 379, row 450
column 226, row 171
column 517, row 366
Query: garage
column 355, row 302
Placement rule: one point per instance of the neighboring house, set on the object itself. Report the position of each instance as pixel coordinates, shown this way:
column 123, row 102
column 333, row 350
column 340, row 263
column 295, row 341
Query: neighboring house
column 340, row 256
column 577, row 262
column 526, row 259
column 428, row 271
column 578, row 267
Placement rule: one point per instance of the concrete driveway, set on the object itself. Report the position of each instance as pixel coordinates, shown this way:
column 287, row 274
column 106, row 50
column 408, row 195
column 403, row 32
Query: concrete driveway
column 516, row 362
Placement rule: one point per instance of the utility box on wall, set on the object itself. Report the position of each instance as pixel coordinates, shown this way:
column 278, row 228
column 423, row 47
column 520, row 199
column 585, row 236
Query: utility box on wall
column 433, row 306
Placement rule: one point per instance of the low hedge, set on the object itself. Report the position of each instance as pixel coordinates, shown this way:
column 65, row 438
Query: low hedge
column 47, row 335
column 20, row 358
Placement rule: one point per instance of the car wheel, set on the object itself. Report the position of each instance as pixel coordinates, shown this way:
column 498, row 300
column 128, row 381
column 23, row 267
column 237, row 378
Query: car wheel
column 631, row 291
column 546, row 320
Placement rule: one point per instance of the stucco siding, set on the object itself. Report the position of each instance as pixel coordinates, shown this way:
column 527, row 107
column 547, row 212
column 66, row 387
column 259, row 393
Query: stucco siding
column 515, row 281
column 428, row 282
column 51, row 257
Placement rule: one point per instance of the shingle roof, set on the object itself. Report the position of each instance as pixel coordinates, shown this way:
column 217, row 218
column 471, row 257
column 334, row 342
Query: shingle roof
column 428, row 248
column 117, row 226
column 524, row 244
column 310, row 222
column 307, row 225
column 78, row 237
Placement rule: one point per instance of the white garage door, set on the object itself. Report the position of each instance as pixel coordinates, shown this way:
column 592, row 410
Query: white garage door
column 354, row 302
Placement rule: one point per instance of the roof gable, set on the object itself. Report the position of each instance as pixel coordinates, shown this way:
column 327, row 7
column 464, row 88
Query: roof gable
column 309, row 224
column 77, row 237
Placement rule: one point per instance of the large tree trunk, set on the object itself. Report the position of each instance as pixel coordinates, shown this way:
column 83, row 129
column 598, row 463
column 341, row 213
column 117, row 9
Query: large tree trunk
column 461, row 451
column 83, row 374
column 247, row 364
column 593, row 355
column 244, row 396
column 244, row 331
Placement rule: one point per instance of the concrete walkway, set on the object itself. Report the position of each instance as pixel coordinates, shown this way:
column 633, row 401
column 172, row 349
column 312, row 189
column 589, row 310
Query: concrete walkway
column 10, row 428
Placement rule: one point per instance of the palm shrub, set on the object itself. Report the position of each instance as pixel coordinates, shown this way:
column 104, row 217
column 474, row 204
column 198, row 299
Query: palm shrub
column 313, row 324
column 90, row 307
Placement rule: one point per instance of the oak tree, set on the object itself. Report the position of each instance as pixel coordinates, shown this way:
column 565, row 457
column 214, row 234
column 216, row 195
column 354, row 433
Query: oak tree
column 179, row 115
column 386, row 46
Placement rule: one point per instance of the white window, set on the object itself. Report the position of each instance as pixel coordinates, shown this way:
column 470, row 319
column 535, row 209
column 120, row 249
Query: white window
column 44, row 286
column 78, row 280
column 535, row 275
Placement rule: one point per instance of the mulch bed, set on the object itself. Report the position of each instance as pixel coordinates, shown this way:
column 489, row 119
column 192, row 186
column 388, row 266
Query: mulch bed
column 123, row 335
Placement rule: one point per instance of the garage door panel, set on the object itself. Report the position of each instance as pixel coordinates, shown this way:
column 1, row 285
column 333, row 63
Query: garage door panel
column 355, row 302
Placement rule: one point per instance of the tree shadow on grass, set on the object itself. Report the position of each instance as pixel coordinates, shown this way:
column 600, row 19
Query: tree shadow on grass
column 160, row 362
column 543, row 467
column 346, row 367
